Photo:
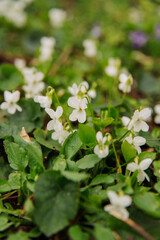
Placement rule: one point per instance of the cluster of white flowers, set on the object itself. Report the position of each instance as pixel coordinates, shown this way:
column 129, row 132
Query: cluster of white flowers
column 118, row 205
column 57, row 17
column 10, row 103
column 157, row 116
column 13, row 11
column 101, row 149
column 79, row 101
column 143, row 165
column 60, row 133
column 46, row 48
column 33, row 82
column 113, row 67
column 90, row 49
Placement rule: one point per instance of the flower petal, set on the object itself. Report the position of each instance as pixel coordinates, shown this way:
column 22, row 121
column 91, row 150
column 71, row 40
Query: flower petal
column 81, row 116
column 99, row 136
column 59, row 112
column 145, row 113
column 144, row 164
column 50, row 112
column 73, row 102
column 15, row 96
column 139, row 141
column 73, row 115
column 132, row 166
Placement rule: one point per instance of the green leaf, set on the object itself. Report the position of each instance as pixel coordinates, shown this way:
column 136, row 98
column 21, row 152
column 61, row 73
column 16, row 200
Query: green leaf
column 156, row 165
column 88, row 161
column 71, row 146
column 59, row 164
column 76, row 233
column 4, row 223
column 10, row 77
column 19, row 236
column 4, row 186
column 102, row 123
column 87, row 135
column 157, row 187
column 129, row 152
column 45, row 140
column 8, row 129
column 16, row 180
column 75, row 176
column 148, row 84
column 33, row 150
column 102, row 178
column 145, row 155
column 148, row 202
column 56, row 202
column 17, row 156
column 31, row 116
column 101, row 232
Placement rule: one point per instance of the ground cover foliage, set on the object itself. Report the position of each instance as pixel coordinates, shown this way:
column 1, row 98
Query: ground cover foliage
column 79, row 119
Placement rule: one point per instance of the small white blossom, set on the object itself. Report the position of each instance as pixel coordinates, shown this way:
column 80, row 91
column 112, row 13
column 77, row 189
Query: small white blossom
column 157, row 111
column 144, row 164
column 118, row 204
column 79, row 113
column 138, row 120
column 55, row 115
column 112, row 69
column 60, row 133
column 45, row 102
column 136, row 142
column 101, row 149
column 74, row 89
column 57, row 17
column 46, row 48
column 92, row 93
column 79, row 91
column 20, row 63
column 90, row 49
column 10, row 103
column 125, row 82
column 33, row 82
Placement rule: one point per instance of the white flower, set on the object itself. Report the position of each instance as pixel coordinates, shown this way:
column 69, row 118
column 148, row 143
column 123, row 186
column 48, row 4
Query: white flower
column 113, row 67
column 136, row 142
column 20, row 63
column 125, row 120
column 74, row 89
column 80, row 90
column 101, row 149
column 118, row 204
column 125, row 82
column 138, row 120
column 45, row 102
column 79, row 113
column 144, row 164
column 57, row 17
column 55, row 115
column 92, row 93
column 46, row 49
column 90, row 49
column 60, row 133
column 10, row 102
column 157, row 111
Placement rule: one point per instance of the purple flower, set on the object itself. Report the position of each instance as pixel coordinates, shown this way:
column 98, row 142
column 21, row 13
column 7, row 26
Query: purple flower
column 157, row 32
column 138, row 39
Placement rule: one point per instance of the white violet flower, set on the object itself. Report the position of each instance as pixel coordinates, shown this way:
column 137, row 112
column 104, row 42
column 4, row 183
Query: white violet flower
column 101, row 149
column 45, row 102
column 157, row 111
column 144, row 164
column 57, row 17
column 60, row 133
column 55, row 115
column 138, row 120
column 79, row 113
column 113, row 67
column 118, row 204
column 136, row 142
column 10, row 103
column 46, row 48
column 90, row 49
column 20, row 63
column 125, row 82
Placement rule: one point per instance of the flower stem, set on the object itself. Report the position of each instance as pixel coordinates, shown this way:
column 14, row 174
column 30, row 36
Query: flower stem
column 117, row 159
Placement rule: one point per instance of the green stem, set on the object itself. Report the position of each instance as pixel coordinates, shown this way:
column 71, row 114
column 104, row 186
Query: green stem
column 8, row 195
column 116, row 156
column 90, row 106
